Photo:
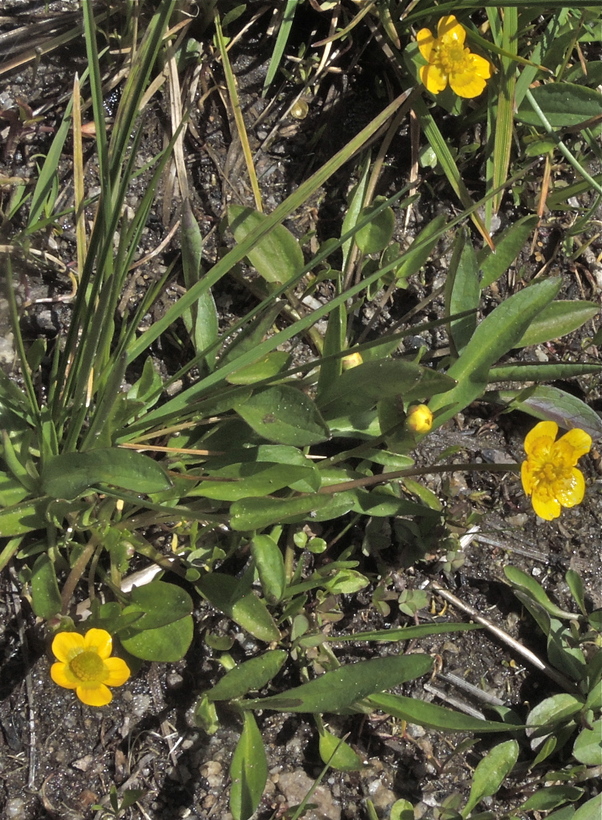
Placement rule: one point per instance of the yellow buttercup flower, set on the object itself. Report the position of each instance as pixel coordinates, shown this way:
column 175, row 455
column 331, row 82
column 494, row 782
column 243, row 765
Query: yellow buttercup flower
column 85, row 664
column 420, row 419
column 449, row 61
column 549, row 474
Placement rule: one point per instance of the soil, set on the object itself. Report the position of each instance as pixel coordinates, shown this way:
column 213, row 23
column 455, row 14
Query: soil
column 58, row 757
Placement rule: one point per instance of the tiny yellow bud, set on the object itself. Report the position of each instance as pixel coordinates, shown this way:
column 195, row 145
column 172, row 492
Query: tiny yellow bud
column 352, row 360
column 420, row 419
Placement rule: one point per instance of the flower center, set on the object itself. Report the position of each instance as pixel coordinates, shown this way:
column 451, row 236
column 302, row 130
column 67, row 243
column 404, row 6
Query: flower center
column 88, row 666
column 453, row 58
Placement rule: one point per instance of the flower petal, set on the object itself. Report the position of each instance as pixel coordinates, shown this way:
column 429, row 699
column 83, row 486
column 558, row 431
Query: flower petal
column 545, row 507
column 466, row 84
column 118, row 672
column 99, row 640
column 481, row 66
column 545, row 429
column 526, row 477
column 94, row 695
column 580, row 441
column 571, row 491
column 450, row 31
column 425, row 41
column 66, row 645
column 433, row 79
column 62, row 676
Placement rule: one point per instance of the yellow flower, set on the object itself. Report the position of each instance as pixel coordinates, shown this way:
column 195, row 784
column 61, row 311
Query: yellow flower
column 449, row 61
column 549, row 474
column 86, row 666
column 420, row 419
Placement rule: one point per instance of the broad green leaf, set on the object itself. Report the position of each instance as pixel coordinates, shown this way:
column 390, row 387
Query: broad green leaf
column 24, row 517
column 564, row 104
column 552, row 404
column 244, row 607
column 462, row 290
column 402, row 810
column 507, row 247
column 45, row 595
column 551, row 797
column 159, row 603
column 433, row 716
column 284, row 415
column 69, row 474
column 416, row 256
column 338, row 754
column 269, row 563
column 556, row 320
column 588, row 746
column 376, row 235
column 493, row 338
column 258, row 513
column 592, row 810
column 277, row 257
column 265, row 368
column 166, row 644
column 249, row 480
column 338, row 690
column 249, row 676
column 363, row 386
column 248, row 771
column 11, row 491
column 491, row 772
column 551, row 712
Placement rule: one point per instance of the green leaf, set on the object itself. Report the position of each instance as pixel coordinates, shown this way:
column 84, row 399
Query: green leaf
column 244, row 607
column 249, row 676
column 69, row 474
column 402, row 810
column 249, row 480
column 338, row 754
column 338, row 690
column 364, row 385
column 284, row 415
column 522, row 581
column 550, row 797
column 167, row 644
column 248, row 771
column 201, row 320
column 552, row 404
column 433, row 716
column 556, row 320
column 544, row 372
column 405, row 633
column 507, row 247
column 258, row 513
column 575, row 584
column 271, row 364
column 419, row 251
column 564, row 104
column 24, row 517
column 376, row 235
column 592, row 810
column 277, row 257
column 159, row 603
column 552, row 712
column 491, row 772
column 11, row 491
column 45, row 595
column 269, row 563
column 588, row 746
column 493, row 338
column 462, row 290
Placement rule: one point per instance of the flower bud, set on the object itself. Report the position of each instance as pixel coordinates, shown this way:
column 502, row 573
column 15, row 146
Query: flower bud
column 420, row 419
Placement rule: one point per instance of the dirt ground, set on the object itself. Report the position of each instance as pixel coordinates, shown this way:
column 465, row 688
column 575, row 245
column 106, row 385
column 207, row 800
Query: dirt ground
column 58, row 757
